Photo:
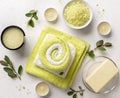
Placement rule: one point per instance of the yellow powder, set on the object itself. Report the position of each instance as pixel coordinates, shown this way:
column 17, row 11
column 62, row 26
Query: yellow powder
column 77, row 13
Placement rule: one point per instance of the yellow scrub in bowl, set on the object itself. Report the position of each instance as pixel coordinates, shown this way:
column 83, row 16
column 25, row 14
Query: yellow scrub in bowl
column 77, row 14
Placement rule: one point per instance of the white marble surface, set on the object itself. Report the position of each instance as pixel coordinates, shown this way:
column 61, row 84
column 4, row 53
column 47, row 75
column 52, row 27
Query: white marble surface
column 13, row 13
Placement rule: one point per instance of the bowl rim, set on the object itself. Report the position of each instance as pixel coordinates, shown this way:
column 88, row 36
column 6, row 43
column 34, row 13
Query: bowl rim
column 87, row 23
column 108, row 91
column 8, row 27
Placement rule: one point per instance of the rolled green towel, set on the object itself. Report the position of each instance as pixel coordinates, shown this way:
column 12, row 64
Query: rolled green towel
column 55, row 53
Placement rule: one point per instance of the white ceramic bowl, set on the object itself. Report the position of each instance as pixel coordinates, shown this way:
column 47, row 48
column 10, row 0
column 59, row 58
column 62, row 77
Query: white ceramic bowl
column 86, row 24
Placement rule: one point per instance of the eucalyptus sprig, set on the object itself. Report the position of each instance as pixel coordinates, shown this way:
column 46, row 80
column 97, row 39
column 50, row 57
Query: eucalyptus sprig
column 100, row 45
column 74, row 93
column 32, row 15
column 9, row 68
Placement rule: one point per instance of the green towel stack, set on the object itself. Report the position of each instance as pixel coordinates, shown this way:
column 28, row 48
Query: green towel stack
column 47, row 48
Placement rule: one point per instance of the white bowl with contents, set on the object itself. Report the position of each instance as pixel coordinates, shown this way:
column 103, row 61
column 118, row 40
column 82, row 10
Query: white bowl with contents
column 42, row 89
column 12, row 37
column 50, row 14
column 104, row 28
column 77, row 14
column 101, row 75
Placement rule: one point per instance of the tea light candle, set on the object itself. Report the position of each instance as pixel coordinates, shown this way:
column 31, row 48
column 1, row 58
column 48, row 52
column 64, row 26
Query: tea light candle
column 42, row 89
column 104, row 28
column 12, row 37
column 50, row 14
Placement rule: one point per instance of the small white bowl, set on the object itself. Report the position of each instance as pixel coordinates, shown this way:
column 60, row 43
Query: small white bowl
column 50, row 14
column 87, row 23
column 104, row 28
column 42, row 89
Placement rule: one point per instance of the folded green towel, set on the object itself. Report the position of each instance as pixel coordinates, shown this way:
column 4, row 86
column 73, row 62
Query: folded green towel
column 81, row 49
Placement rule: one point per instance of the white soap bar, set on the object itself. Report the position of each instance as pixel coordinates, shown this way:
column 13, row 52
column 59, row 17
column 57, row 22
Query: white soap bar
column 101, row 75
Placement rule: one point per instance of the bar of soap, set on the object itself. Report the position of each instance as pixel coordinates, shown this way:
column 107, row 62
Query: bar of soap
column 101, row 75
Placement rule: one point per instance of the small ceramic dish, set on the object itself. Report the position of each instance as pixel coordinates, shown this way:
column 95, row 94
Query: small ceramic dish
column 51, row 14
column 42, row 89
column 86, row 23
column 104, row 28
column 90, row 66
column 12, row 37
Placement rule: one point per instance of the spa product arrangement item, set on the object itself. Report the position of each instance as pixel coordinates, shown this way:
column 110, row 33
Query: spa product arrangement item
column 104, row 28
column 13, row 37
column 77, row 14
column 9, row 68
column 50, row 14
column 54, row 53
column 42, row 89
column 32, row 15
column 74, row 93
column 101, row 75
column 100, row 45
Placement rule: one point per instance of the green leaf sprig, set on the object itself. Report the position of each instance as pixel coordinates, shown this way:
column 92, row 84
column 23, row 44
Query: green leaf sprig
column 32, row 15
column 74, row 93
column 100, row 45
column 9, row 68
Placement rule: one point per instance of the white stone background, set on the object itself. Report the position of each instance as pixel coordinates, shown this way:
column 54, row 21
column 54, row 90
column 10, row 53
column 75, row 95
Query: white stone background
column 13, row 13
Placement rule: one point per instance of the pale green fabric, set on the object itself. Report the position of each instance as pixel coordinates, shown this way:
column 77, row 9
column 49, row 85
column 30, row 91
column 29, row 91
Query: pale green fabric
column 81, row 49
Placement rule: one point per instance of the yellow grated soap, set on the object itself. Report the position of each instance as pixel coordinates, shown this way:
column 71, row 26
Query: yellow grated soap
column 77, row 13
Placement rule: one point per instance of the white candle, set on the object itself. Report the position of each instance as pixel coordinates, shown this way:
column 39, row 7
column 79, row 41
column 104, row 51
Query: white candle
column 42, row 89
column 104, row 28
column 50, row 14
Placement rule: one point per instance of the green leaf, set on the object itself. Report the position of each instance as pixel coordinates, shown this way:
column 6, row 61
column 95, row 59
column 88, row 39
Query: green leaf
column 91, row 54
column 61, row 73
column 6, row 58
column 99, row 43
column 70, row 93
column 108, row 44
column 35, row 17
column 8, row 70
column 82, row 90
column 20, row 69
column 75, row 96
column 80, row 87
column 12, row 75
column 3, row 63
column 28, row 14
column 81, row 93
column 31, row 23
column 102, row 49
